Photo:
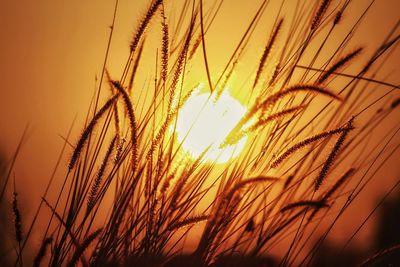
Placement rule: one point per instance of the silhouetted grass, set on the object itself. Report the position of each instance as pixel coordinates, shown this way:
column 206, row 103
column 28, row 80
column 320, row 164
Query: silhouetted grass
column 140, row 208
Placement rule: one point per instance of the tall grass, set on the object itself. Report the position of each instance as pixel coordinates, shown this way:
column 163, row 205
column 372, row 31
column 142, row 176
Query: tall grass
column 132, row 197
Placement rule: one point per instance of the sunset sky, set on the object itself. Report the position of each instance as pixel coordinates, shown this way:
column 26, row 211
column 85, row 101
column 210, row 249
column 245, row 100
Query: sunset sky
column 51, row 52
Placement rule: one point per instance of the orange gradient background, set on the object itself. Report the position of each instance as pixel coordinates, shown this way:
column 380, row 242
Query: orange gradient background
column 51, row 52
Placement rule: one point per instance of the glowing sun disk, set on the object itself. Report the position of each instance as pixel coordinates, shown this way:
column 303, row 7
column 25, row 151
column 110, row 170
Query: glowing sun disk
column 203, row 123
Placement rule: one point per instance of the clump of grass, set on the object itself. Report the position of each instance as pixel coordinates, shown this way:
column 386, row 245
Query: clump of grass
column 145, row 199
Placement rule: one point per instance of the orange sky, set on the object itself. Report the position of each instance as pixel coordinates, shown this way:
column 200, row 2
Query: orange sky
column 51, row 51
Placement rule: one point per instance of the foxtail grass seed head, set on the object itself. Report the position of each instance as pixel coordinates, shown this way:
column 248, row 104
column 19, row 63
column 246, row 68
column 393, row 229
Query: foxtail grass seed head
column 329, row 161
column 180, row 65
column 338, row 17
column 135, row 67
column 288, row 181
column 263, row 121
column 395, row 103
column 160, row 134
column 267, row 51
column 82, row 247
column 88, row 130
column 250, row 226
column 339, row 183
column 305, row 143
column 320, row 13
column 195, row 46
column 42, row 251
column 165, row 47
column 187, row 222
column 274, row 76
column 119, row 150
column 17, row 219
column 308, row 88
column 340, row 63
column 144, row 23
column 97, row 180
column 316, row 204
column 132, row 121
column 250, row 181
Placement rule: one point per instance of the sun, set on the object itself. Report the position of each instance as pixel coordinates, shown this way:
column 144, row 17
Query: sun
column 205, row 122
